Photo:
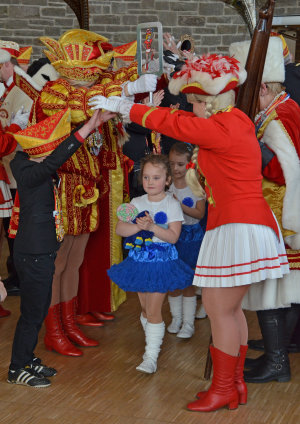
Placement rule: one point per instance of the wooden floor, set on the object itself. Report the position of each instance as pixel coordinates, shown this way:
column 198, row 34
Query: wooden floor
column 103, row 386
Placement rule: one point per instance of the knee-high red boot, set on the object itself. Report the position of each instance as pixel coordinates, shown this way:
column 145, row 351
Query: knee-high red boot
column 55, row 338
column 4, row 312
column 222, row 391
column 70, row 327
column 238, row 379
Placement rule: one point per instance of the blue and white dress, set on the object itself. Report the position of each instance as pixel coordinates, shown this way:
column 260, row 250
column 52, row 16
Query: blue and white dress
column 155, row 267
column 192, row 233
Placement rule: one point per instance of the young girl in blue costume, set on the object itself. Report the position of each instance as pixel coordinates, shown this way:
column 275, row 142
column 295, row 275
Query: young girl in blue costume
column 154, row 269
column 183, row 303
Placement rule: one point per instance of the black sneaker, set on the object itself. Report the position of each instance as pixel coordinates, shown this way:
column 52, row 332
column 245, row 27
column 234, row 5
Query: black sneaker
column 27, row 377
column 42, row 369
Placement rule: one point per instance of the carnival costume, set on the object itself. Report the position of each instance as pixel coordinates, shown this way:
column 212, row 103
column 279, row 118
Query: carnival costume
column 230, row 160
column 13, row 101
column 155, row 267
column 277, row 300
column 83, row 56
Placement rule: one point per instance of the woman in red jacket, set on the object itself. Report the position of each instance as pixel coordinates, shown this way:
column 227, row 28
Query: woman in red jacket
column 242, row 244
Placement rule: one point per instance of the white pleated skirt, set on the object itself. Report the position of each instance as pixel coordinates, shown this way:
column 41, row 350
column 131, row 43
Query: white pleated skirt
column 6, row 207
column 239, row 254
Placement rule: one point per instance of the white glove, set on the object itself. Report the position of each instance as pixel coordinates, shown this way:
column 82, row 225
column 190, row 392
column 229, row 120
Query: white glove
column 145, row 83
column 113, row 103
column 21, row 118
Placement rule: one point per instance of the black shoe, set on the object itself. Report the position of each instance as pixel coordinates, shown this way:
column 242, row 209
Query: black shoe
column 27, row 377
column 42, row 369
column 256, row 344
column 12, row 290
column 275, row 368
column 12, row 286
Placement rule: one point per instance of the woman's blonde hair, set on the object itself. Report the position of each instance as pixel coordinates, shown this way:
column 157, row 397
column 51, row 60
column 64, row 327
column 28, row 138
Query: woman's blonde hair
column 275, row 87
column 192, row 176
column 214, row 104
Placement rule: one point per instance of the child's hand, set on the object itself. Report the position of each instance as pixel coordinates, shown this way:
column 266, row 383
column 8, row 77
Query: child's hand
column 145, row 222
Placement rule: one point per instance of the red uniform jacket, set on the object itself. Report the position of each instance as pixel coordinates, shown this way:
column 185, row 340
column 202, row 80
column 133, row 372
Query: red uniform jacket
column 229, row 158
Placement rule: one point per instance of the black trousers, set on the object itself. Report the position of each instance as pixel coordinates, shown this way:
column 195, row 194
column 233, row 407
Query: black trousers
column 35, row 274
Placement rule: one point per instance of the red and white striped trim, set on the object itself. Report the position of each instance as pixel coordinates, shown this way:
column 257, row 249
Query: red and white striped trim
column 280, row 260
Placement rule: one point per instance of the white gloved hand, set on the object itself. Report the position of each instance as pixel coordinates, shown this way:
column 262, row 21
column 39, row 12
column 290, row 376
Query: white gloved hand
column 113, row 103
column 145, row 83
column 21, row 118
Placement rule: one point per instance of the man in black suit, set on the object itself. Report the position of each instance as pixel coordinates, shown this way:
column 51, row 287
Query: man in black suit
column 39, row 233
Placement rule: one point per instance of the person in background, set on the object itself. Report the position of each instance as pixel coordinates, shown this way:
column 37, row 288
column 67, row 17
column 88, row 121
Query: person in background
column 183, row 303
column 277, row 301
column 15, row 106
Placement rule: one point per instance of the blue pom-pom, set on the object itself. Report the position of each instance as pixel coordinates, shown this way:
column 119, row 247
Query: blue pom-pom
column 188, row 201
column 160, row 218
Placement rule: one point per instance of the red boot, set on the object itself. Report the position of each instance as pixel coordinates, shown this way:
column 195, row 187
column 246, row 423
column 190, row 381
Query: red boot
column 103, row 316
column 88, row 320
column 239, row 376
column 70, row 327
column 222, row 391
column 4, row 312
column 238, row 379
column 55, row 338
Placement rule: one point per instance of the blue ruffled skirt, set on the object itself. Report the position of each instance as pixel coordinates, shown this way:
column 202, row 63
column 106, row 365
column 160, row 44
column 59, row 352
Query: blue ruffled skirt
column 189, row 242
column 155, row 268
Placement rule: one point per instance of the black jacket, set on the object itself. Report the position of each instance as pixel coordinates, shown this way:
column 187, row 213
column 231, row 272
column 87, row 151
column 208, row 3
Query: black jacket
column 36, row 232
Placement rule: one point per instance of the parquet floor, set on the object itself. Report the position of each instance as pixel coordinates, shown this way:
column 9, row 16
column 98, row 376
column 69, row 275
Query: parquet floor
column 103, row 386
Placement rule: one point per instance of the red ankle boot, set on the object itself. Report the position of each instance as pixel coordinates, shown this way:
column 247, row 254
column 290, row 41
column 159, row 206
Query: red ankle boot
column 70, row 327
column 238, row 379
column 88, row 320
column 103, row 316
column 55, row 338
column 239, row 376
column 222, row 391
column 4, row 312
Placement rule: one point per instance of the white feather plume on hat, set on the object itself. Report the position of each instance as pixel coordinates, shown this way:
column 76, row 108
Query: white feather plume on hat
column 274, row 63
column 210, row 75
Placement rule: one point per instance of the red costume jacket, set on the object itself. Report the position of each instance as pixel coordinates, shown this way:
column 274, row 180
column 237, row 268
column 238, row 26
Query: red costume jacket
column 229, row 158
column 7, row 146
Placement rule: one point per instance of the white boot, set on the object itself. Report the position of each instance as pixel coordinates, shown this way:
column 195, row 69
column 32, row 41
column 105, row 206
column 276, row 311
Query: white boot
column 154, row 337
column 143, row 321
column 189, row 306
column 176, row 312
column 200, row 314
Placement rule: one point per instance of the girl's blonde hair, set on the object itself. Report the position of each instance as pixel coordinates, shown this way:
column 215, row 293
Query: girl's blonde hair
column 214, row 104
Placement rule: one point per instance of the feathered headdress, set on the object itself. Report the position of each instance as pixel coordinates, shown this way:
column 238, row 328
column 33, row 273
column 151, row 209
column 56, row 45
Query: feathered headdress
column 208, row 75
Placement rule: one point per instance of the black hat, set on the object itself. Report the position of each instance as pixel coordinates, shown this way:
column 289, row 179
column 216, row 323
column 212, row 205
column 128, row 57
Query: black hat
column 292, row 81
